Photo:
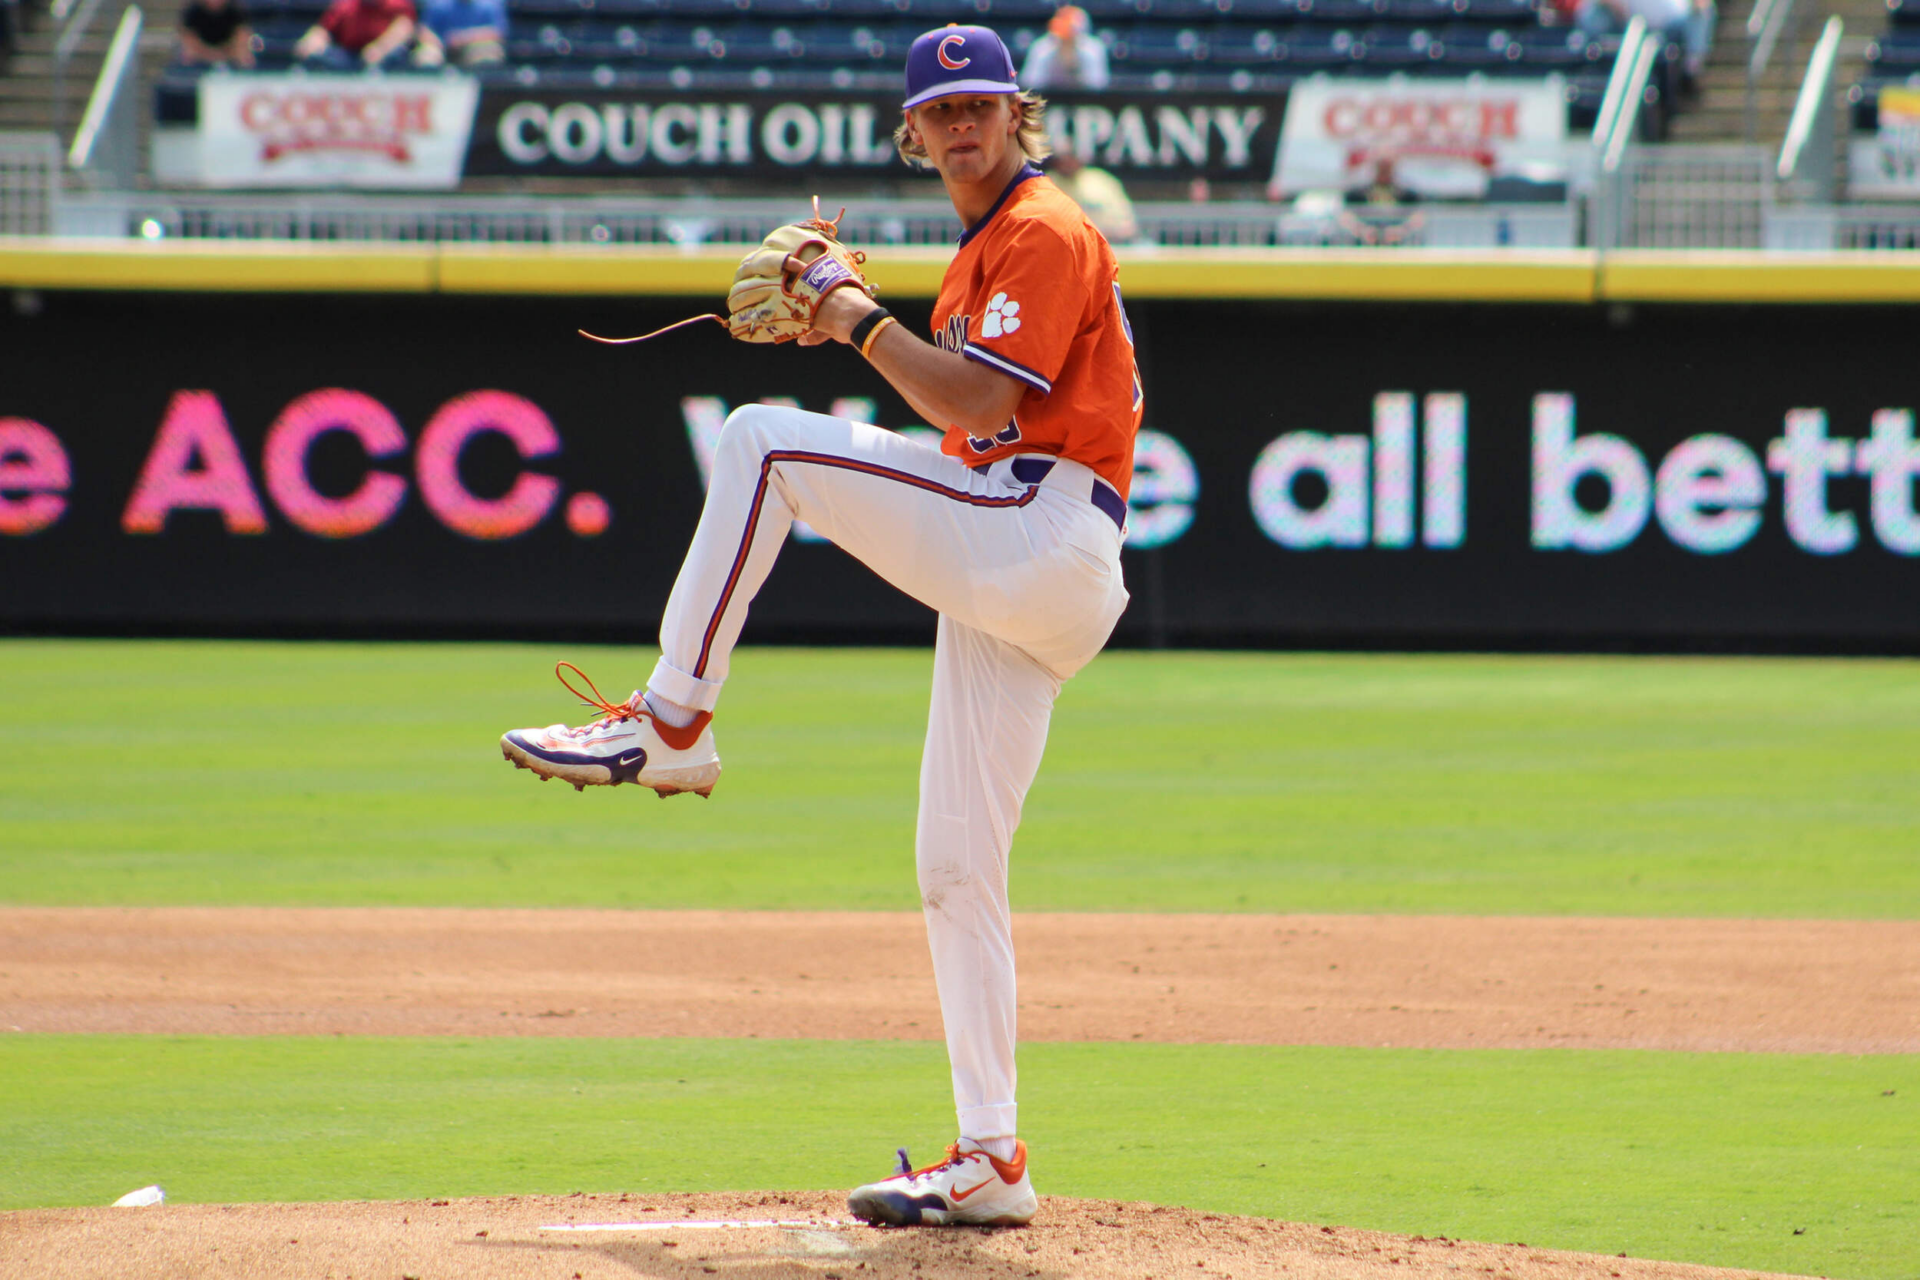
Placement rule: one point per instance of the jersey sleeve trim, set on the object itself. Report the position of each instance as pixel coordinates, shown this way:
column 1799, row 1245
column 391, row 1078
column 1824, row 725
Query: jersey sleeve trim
column 1012, row 368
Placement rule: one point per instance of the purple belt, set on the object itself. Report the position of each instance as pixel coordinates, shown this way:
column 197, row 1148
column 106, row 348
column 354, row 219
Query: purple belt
column 1104, row 496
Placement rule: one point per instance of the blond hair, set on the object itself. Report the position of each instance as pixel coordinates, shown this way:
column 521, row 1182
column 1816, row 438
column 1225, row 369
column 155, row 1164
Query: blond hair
column 1032, row 136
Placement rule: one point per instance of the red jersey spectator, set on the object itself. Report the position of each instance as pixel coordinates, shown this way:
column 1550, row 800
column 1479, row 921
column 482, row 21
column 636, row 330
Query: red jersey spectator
column 357, row 32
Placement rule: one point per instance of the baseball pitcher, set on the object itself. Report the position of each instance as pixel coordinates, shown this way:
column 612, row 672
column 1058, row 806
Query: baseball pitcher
column 1011, row 530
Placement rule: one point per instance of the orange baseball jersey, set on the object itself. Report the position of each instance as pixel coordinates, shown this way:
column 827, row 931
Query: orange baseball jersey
column 1034, row 293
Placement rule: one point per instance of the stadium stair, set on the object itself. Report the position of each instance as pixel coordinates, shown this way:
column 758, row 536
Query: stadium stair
column 1719, row 113
column 27, row 85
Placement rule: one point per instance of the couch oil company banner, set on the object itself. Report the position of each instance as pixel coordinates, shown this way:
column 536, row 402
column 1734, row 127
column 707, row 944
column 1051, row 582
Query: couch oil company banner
column 1309, row 474
column 400, row 131
column 593, row 133
column 1441, row 138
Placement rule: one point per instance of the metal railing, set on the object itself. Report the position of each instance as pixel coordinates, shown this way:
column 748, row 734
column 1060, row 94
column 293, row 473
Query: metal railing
column 459, row 219
column 78, row 16
column 1826, row 227
column 29, row 183
column 1764, row 25
column 1613, row 134
column 691, row 223
column 106, row 146
column 1697, row 197
column 1807, row 159
column 1616, row 93
column 1669, row 196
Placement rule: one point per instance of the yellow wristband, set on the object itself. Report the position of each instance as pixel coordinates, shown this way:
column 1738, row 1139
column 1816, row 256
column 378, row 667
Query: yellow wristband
column 866, row 348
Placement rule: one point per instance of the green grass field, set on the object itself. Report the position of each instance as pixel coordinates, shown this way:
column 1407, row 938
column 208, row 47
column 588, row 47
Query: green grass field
column 1715, row 1158
column 336, row 774
column 355, row 774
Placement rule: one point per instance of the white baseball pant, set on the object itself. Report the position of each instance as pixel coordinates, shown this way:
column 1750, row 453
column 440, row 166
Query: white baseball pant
column 1026, row 578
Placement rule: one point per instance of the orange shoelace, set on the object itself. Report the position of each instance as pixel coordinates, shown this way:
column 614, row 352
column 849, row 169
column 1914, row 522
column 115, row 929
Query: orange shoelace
column 953, row 1156
column 612, row 710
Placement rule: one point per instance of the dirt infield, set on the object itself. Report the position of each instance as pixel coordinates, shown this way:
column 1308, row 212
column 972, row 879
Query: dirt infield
column 502, row 1239
column 1404, row 981
column 1416, row 981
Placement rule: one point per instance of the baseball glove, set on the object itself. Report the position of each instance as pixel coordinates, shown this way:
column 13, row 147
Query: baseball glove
column 770, row 303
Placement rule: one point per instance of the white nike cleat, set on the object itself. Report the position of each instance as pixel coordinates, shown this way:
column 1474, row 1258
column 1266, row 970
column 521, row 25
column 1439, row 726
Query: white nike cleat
column 627, row 744
column 967, row 1188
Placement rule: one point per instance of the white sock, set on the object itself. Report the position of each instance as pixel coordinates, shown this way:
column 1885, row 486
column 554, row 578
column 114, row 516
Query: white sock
column 671, row 714
column 998, row 1148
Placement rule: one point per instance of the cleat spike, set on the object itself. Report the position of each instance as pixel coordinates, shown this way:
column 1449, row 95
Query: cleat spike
column 543, row 777
column 579, row 786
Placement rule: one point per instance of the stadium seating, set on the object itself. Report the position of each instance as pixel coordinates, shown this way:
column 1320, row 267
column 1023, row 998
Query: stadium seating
column 1242, row 46
column 1187, row 44
column 10, row 14
column 1893, row 58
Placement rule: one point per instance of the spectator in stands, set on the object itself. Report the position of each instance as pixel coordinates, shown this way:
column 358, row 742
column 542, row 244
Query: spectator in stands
column 1097, row 192
column 1687, row 23
column 470, row 33
column 215, row 32
column 1384, row 191
column 1069, row 56
column 1380, row 211
column 357, row 33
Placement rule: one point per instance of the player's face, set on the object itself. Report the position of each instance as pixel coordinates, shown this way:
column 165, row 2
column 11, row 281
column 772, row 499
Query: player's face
column 967, row 135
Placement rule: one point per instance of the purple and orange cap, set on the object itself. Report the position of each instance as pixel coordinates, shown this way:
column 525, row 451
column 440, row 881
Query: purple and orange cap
column 958, row 59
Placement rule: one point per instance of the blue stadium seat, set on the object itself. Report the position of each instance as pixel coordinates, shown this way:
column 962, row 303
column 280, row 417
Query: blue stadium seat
column 871, row 9
column 1001, row 12
column 1478, row 48
column 835, row 43
column 678, row 41
column 1105, row 12
column 1515, row 13
column 1421, row 13
column 1343, row 12
column 1184, row 11
column 1897, row 53
column 1261, row 11
column 1244, row 45
column 1159, row 46
column 1904, row 13
column 1393, row 47
column 1545, row 49
column 1322, row 49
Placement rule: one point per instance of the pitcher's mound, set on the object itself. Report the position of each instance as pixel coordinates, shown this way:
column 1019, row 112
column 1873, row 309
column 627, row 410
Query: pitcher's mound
column 750, row 1236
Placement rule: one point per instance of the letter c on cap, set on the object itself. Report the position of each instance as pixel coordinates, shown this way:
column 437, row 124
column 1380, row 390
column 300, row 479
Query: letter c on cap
column 948, row 62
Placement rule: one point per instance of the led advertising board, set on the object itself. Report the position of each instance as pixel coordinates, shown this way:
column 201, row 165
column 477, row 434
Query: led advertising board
column 1697, row 476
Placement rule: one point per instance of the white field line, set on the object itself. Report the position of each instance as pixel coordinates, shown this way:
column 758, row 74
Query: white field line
column 724, row 1225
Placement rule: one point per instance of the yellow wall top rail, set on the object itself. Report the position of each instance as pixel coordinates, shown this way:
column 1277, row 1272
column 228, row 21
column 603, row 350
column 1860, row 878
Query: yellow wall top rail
column 1386, row 275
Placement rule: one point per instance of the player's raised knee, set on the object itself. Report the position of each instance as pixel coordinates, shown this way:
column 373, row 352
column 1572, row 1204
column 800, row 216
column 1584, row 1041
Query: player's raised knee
column 751, row 427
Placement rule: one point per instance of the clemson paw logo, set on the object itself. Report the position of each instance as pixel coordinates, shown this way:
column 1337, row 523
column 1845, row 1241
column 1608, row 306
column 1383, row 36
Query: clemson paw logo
column 1002, row 317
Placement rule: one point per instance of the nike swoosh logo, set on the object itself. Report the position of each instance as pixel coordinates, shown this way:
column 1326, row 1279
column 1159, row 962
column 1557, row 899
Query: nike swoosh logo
column 958, row 1196
column 630, row 757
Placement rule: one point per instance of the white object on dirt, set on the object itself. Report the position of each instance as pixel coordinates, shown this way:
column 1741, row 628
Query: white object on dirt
column 141, row 1199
